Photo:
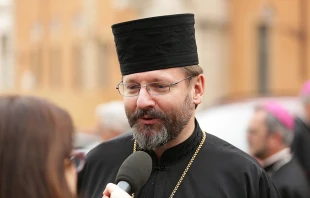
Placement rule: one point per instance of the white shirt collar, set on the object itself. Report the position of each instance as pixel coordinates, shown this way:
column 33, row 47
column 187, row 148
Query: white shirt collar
column 276, row 157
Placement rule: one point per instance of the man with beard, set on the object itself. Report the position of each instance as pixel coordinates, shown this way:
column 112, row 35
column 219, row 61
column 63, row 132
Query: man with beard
column 270, row 134
column 162, row 85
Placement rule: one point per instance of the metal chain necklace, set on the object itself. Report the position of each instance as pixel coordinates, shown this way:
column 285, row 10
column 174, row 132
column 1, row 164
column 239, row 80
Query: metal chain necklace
column 187, row 167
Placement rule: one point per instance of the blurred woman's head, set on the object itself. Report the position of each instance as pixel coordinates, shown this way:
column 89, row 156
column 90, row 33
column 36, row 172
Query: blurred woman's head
column 35, row 149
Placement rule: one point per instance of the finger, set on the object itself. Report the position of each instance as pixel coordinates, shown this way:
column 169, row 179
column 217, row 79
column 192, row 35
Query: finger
column 109, row 189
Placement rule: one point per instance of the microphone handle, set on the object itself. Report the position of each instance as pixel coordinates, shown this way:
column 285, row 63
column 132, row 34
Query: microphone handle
column 124, row 186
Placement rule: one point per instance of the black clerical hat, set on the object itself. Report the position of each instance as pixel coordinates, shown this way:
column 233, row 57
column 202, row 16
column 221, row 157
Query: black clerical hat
column 156, row 43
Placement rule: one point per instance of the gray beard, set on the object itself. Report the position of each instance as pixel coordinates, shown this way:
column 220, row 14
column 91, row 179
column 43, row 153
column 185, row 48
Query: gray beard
column 152, row 141
column 150, row 137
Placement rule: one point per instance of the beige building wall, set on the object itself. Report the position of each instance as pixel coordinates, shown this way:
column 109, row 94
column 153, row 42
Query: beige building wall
column 287, row 64
column 212, row 41
column 65, row 52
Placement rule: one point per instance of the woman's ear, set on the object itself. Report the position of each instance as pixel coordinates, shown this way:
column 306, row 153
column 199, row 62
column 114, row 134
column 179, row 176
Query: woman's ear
column 199, row 86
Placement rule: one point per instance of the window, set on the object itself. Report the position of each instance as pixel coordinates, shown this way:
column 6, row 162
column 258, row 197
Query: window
column 77, row 66
column 103, row 71
column 36, row 65
column 263, row 58
column 55, row 74
column 4, row 46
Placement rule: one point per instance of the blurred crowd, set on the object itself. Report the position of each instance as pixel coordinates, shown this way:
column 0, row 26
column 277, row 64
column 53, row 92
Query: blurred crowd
column 279, row 140
column 111, row 121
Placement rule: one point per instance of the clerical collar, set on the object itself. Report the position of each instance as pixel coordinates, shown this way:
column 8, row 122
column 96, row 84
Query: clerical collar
column 276, row 157
column 178, row 152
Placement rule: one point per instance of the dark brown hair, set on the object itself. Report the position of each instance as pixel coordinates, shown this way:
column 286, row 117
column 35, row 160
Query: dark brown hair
column 35, row 139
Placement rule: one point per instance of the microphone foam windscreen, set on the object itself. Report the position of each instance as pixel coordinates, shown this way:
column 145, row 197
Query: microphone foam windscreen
column 135, row 170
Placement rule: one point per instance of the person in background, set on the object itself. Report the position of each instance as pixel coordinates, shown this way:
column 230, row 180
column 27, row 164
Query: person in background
column 301, row 143
column 270, row 134
column 36, row 159
column 112, row 120
column 85, row 141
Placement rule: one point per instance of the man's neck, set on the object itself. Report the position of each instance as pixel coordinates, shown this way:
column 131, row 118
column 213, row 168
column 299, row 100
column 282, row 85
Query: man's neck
column 184, row 135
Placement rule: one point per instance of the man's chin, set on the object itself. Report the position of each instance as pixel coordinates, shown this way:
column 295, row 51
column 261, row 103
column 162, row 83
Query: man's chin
column 144, row 144
column 147, row 128
column 259, row 155
column 149, row 141
column 145, row 132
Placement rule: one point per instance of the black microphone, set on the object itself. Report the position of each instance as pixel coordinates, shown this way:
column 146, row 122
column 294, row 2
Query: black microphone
column 134, row 172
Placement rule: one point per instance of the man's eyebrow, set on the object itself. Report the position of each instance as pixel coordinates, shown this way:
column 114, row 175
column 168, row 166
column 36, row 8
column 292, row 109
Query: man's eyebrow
column 129, row 81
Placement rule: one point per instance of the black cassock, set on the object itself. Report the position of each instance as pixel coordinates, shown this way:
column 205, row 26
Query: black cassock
column 289, row 178
column 219, row 171
column 301, row 145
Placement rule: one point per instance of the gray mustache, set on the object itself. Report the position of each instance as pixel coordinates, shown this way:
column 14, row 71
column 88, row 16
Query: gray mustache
column 151, row 113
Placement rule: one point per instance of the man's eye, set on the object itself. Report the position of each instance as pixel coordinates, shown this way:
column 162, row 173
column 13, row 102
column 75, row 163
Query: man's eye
column 131, row 87
column 159, row 85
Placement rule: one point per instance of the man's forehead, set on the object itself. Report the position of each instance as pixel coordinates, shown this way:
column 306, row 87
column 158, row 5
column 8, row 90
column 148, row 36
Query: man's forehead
column 258, row 117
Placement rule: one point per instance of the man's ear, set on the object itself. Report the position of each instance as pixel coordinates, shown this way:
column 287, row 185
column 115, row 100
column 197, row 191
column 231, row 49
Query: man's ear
column 277, row 137
column 199, row 86
column 275, row 140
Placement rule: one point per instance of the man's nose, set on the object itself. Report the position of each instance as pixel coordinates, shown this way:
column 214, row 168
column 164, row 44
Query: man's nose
column 145, row 100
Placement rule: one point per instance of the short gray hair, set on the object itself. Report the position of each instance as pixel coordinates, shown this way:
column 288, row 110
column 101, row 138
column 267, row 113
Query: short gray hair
column 193, row 70
column 273, row 125
column 305, row 99
column 112, row 115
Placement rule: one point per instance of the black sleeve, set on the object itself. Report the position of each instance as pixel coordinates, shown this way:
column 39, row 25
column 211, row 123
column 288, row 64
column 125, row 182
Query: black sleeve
column 297, row 145
column 301, row 145
column 290, row 193
column 80, row 180
column 267, row 188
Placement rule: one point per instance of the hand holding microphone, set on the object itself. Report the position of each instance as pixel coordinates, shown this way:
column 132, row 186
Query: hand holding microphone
column 131, row 176
column 113, row 191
